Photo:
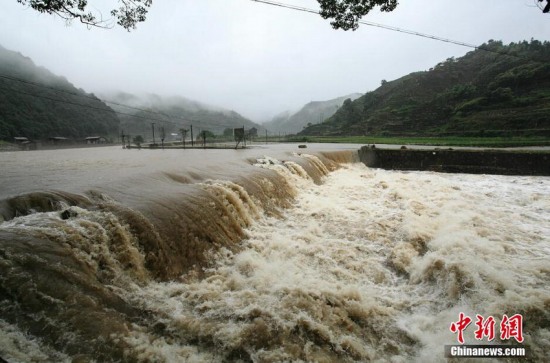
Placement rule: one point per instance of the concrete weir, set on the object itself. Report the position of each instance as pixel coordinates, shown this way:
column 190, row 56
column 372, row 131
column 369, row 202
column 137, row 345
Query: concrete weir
column 458, row 161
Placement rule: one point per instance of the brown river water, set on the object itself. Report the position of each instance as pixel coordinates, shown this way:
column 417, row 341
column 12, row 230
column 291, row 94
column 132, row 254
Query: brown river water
column 270, row 254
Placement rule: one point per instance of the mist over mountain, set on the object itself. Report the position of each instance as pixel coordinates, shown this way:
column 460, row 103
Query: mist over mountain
column 37, row 104
column 311, row 113
column 171, row 113
column 496, row 90
column 152, row 100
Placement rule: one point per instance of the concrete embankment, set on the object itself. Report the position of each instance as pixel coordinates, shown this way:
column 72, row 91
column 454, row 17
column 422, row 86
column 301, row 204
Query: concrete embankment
column 458, row 161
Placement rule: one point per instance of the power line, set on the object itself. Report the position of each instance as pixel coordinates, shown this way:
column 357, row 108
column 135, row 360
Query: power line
column 200, row 123
column 203, row 123
column 181, row 119
column 105, row 101
column 392, row 28
column 70, row 92
column 77, row 104
column 387, row 27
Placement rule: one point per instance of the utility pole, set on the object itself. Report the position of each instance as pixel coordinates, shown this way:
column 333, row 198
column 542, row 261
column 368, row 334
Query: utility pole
column 122, row 139
column 266, row 136
column 153, row 127
column 162, row 136
column 183, row 134
column 192, row 142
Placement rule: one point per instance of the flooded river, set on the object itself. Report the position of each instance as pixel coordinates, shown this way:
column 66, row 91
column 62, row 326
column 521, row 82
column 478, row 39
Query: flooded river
column 267, row 254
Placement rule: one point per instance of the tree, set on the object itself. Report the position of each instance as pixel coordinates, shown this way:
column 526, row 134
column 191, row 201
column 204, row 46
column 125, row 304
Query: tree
column 546, row 8
column 347, row 13
column 138, row 140
column 128, row 14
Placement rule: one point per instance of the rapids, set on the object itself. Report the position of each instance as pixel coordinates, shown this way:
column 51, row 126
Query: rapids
column 310, row 257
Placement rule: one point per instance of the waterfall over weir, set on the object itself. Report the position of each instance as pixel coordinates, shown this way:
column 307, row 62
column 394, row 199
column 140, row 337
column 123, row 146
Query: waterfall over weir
column 311, row 258
column 67, row 257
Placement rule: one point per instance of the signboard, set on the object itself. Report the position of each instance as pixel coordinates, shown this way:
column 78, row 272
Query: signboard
column 239, row 134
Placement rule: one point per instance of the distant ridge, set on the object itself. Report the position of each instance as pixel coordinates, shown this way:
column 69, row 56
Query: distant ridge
column 37, row 104
column 311, row 113
column 501, row 92
column 172, row 113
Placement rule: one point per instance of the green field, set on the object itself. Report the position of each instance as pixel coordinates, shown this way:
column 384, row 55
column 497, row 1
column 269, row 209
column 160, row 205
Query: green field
column 437, row 141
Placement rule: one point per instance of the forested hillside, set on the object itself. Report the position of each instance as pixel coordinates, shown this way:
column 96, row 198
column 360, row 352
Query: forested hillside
column 37, row 104
column 496, row 90
column 172, row 113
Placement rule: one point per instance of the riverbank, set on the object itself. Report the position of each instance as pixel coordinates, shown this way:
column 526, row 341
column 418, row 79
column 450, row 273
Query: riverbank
column 503, row 162
column 491, row 142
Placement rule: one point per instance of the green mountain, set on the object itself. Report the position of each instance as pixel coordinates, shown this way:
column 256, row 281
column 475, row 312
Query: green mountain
column 496, row 90
column 37, row 104
column 312, row 113
column 171, row 113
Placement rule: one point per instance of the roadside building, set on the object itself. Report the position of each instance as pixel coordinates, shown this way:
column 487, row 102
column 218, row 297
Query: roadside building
column 92, row 140
column 58, row 140
column 21, row 140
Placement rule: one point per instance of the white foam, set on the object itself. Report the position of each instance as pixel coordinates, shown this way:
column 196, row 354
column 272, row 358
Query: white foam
column 16, row 346
column 375, row 265
column 370, row 265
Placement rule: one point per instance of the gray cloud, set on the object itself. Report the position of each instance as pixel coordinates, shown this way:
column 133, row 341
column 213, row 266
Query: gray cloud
column 259, row 59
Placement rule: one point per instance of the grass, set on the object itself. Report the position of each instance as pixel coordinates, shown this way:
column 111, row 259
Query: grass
column 436, row 141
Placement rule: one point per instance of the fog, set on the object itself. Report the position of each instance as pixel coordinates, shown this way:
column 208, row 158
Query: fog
column 257, row 59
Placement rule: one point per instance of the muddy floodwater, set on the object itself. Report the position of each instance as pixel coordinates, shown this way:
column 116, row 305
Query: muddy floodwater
column 268, row 254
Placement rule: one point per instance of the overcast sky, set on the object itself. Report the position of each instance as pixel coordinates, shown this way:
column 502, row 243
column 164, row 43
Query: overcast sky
column 257, row 59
